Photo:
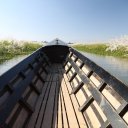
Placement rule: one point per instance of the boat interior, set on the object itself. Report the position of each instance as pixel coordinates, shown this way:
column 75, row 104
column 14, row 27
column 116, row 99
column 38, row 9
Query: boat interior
column 58, row 87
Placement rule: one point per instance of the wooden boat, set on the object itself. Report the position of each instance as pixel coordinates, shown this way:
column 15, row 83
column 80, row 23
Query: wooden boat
column 58, row 87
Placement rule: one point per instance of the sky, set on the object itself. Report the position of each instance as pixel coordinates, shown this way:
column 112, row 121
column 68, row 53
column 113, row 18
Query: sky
column 69, row 20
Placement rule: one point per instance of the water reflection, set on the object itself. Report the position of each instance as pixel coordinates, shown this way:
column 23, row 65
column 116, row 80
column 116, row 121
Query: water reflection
column 118, row 67
column 10, row 63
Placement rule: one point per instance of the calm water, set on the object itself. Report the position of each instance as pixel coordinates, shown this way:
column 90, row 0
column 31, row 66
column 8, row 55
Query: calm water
column 10, row 63
column 118, row 67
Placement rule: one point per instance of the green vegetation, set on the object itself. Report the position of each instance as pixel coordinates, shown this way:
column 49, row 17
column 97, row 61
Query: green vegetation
column 9, row 49
column 103, row 49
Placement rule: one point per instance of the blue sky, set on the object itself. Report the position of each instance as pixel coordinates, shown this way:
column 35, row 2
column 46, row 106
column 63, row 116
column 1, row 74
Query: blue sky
column 69, row 20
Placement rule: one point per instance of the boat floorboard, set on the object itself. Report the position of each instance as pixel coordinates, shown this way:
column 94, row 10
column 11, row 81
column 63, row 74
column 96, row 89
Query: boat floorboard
column 56, row 107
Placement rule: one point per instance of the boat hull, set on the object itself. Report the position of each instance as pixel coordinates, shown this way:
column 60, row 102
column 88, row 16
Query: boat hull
column 57, row 86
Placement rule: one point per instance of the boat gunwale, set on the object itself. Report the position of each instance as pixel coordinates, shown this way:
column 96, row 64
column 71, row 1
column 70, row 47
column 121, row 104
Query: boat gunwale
column 8, row 75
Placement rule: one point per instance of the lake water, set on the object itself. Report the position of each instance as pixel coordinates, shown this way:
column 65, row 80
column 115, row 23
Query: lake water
column 10, row 63
column 118, row 67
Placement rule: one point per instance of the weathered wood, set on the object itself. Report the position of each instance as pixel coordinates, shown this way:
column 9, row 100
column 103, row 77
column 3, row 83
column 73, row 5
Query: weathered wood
column 59, row 116
column 77, row 88
column 64, row 112
column 22, row 118
column 26, row 105
column 43, row 107
column 48, row 114
column 35, row 115
column 35, row 88
column 86, row 104
column 109, row 79
column 106, row 107
column 39, row 93
column 69, row 108
column 55, row 109
column 79, row 115
column 13, row 99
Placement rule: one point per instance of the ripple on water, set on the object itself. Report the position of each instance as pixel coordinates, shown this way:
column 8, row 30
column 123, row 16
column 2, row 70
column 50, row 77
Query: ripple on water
column 118, row 67
column 5, row 66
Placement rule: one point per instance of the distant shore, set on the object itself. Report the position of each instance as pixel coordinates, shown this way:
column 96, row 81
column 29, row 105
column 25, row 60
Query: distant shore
column 103, row 49
column 10, row 49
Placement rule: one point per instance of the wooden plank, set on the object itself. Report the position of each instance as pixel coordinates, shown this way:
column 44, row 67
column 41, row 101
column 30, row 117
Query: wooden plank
column 64, row 112
column 26, row 105
column 35, row 88
column 103, row 103
column 34, row 116
column 114, row 102
column 72, row 77
column 86, row 104
column 23, row 115
column 77, row 88
column 55, row 110
column 93, row 121
column 38, row 106
column 14, row 98
column 12, row 113
column 100, row 111
column 60, row 118
column 43, row 106
column 65, row 122
column 81, row 97
column 48, row 114
column 32, row 99
column 80, row 117
column 69, row 108
column 68, row 69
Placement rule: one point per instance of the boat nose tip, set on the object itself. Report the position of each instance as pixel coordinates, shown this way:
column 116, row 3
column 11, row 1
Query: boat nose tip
column 57, row 41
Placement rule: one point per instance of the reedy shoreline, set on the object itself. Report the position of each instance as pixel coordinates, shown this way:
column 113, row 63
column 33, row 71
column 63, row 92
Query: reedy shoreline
column 10, row 49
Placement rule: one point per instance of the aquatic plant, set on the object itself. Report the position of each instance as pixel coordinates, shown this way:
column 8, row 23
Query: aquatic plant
column 114, row 47
column 118, row 43
column 11, row 48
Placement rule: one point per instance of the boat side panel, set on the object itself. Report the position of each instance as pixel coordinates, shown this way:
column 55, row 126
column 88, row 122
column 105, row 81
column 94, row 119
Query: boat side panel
column 102, row 98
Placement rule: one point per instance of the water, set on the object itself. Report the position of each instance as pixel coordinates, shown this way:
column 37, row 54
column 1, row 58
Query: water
column 10, row 63
column 118, row 67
